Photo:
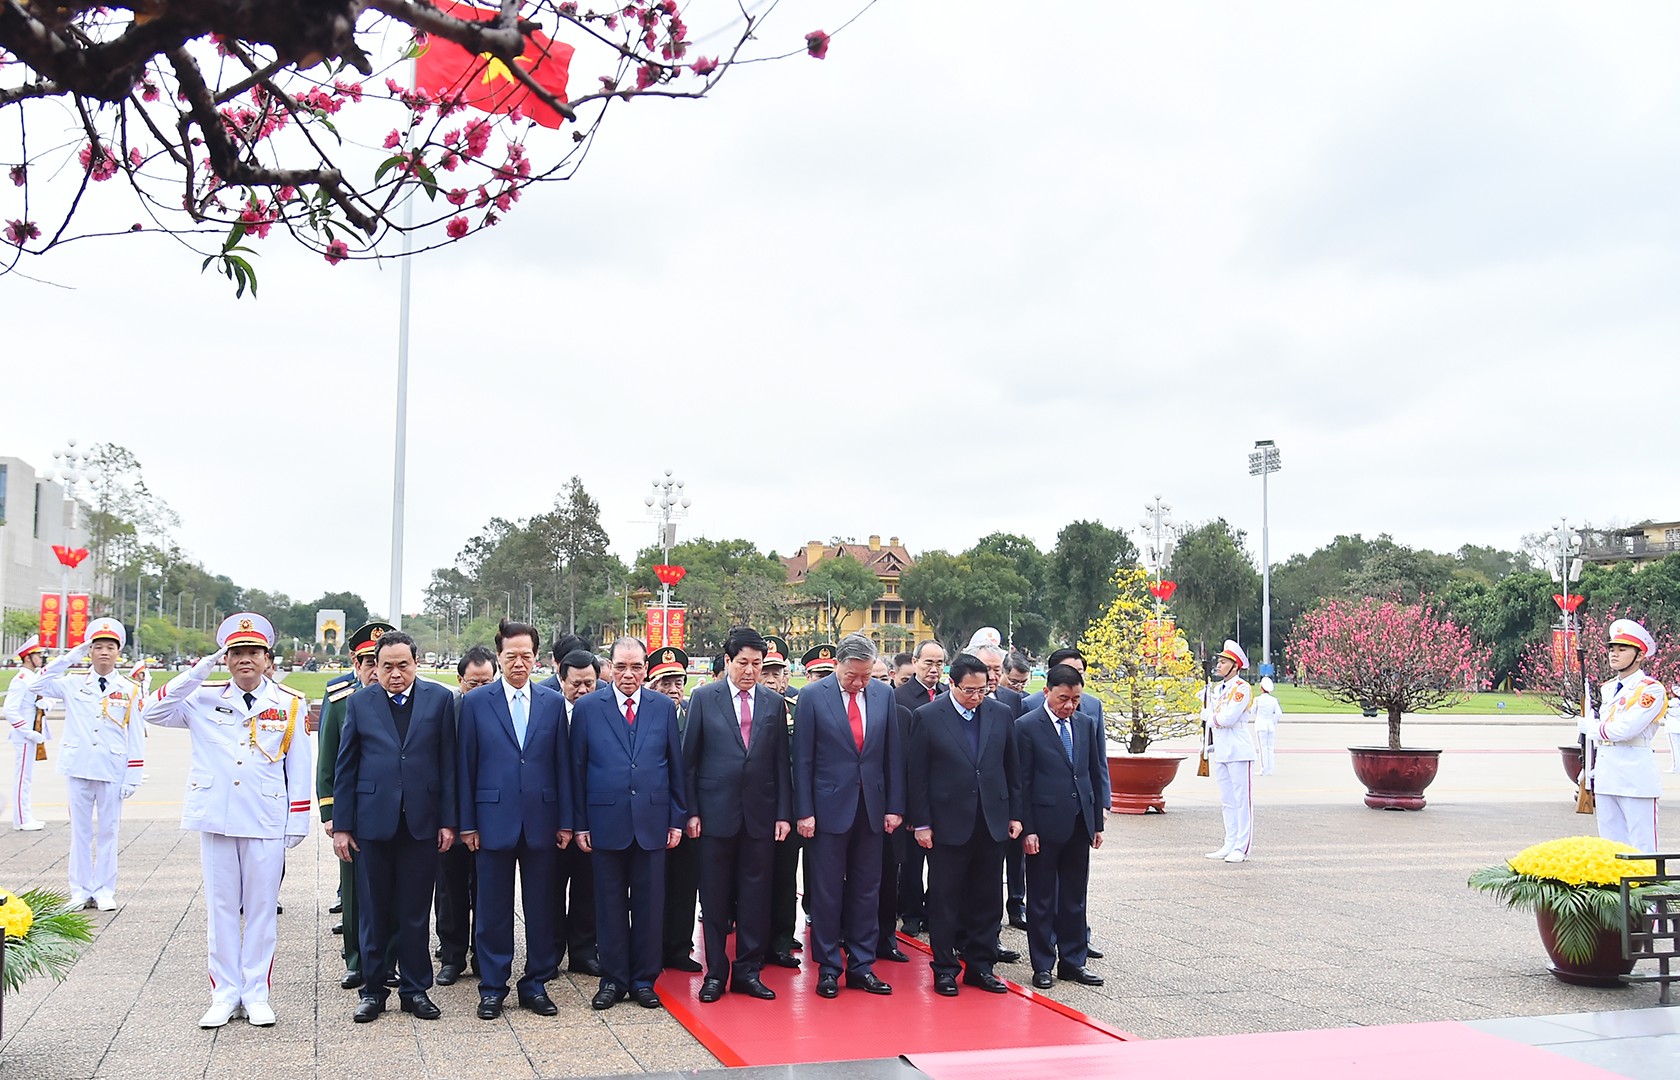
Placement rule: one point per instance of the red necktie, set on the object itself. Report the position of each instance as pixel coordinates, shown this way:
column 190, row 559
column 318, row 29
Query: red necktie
column 746, row 719
column 856, row 717
column 932, row 693
column 630, row 711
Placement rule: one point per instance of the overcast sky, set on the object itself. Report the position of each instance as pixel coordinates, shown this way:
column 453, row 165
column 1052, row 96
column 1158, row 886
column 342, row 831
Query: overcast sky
column 969, row 273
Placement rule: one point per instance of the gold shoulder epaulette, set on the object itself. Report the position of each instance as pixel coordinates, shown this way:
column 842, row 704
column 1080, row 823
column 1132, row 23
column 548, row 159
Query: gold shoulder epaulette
column 341, row 692
column 217, row 685
column 290, row 690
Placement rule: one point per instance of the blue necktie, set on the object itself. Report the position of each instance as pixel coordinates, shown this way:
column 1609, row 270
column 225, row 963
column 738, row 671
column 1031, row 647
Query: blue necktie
column 1067, row 737
column 398, row 699
column 520, row 718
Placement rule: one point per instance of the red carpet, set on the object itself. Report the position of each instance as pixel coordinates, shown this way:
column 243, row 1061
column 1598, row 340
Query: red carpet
column 801, row 1027
column 1400, row 1052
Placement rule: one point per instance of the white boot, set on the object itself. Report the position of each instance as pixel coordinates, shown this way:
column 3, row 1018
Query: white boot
column 1236, row 857
column 259, row 1014
column 1221, row 853
column 219, row 1013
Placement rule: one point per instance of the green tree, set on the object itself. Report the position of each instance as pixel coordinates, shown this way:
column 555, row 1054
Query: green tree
column 1028, row 628
column 1218, row 586
column 958, row 594
column 1079, row 574
column 727, row 583
column 577, row 545
column 842, row 585
column 21, row 622
column 1148, row 684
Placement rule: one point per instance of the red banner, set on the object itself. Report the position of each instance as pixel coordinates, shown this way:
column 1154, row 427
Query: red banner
column 1563, row 649
column 674, row 620
column 49, row 620
column 1158, row 640
column 76, row 622
column 655, row 628
column 665, row 626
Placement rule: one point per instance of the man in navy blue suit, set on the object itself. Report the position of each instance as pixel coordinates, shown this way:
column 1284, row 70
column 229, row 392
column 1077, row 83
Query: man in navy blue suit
column 394, row 803
column 628, row 809
column 735, row 753
column 1060, row 757
column 848, row 793
column 516, row 813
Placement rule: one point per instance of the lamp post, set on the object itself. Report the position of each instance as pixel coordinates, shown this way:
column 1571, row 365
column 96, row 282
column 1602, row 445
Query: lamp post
column 1263, row 462
column 1158, row 525
column 69, row 468
column 1565, row 566
column 667, row 504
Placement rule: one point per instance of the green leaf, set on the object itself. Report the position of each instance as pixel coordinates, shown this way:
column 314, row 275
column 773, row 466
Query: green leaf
column 235, row 234
column 387, row 165
column 246, row 275
column 428, row 179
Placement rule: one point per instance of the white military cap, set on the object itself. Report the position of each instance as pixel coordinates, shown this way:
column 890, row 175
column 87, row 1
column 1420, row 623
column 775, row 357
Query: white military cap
column 1234, row 652
column 1266, row 684
column 986, row 635
column 107, row 629
column 1628, row 632
column 245, row 628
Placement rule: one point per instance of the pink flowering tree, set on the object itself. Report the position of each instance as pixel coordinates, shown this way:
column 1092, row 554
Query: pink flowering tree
column 1554, row 674
column 228, row 119
column 1400, row 657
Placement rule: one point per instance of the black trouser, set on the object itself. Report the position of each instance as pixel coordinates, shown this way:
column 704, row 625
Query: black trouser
column 455, row 892
column 964, row 902
column 735, row 888
column 1015, row 867
column 912, row 896
column 574, row 906
column 682, row 887
column 784, row 893
column 892, row 855
column 1057, row 878
column 397, row 878
column 629, row 910
column 845, row 891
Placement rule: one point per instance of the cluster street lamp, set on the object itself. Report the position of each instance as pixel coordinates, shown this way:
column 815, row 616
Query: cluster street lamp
column 1159, row 527
column 1564, row 564
column 69, row 468
column 1263, row 462
column 667, row 504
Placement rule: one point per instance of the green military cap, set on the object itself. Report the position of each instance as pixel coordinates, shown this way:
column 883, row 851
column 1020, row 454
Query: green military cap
column 819, row 660
column 667, row 660
column 366, row 638
column 776, row 651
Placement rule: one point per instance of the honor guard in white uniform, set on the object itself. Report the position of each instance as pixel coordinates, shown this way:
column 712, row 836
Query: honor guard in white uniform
column 28, row 735
column 101, row 754
column 248, row 796
column 1267, row 713
column 1227, row 707
column 1625, row 779
column 1671, row 724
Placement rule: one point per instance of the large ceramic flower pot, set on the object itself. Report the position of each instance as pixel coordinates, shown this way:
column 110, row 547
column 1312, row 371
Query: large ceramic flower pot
column 1572, row 761
column 1394, row 779
column 1136, row 781
column 1604, row 967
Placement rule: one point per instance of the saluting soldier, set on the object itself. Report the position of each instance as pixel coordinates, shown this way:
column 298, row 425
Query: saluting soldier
column 102, row 755
column 1226, row 710
column 1625, row 779
column 362, row 671
column 668, row 675
column 248, row 799
column 28, row 733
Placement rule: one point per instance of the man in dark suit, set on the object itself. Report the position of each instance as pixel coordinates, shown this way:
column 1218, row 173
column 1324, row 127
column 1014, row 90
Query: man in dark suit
column 394, row 804
column 628, row 809
column 576, row 672
column 777, row 677
column 457, row 884
column 1015, row 873
column 1060, row 759
column 923, row 687
column 516, row 814
column 848, row 792
column 965, row 800
column 668, row 675
column 736, row 761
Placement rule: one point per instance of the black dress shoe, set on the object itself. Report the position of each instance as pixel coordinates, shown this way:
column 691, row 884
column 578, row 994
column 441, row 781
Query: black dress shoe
column 685, row 964
column 541, row 1004
column 609, row 995
column 421, row 1006
column 279, row 909
column 893, row 953
column 828, row 986
column 368, row 1010
column 1093, row 953
column 1007, row 956
column 392, row 981
column 986, row 981
column 1018, row 919
column 449, row 974
column 585, row 966
column 489, row 1007
column 868, row 983
column 645, row 997
column 711, row 990
column 945, row 985
column 783, row 960
column 1069, row 973
column 351, row 980
column 1042, row 980
column 338, row 928
column 913, row 927
column 337, row 907
column 752, row 986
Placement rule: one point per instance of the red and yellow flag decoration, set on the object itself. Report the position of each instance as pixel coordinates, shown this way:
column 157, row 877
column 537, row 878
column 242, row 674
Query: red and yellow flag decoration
column 484, row 82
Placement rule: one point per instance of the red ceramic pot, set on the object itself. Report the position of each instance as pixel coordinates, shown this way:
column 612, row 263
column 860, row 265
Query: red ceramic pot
column 1572, row 761
column 1604, row 967
column 1394, row 779
column 1136, row 781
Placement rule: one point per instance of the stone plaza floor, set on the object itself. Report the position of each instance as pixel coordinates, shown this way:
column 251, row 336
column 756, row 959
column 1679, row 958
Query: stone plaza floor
column 1345, row 916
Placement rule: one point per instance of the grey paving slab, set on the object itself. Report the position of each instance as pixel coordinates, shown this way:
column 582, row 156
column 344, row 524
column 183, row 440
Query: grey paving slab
column 1652, row 1058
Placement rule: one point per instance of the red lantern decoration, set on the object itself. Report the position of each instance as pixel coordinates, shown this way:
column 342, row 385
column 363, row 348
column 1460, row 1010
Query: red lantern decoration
column 1163, row 590
column 669, row 575
column 1568, row 604
column 71, row 557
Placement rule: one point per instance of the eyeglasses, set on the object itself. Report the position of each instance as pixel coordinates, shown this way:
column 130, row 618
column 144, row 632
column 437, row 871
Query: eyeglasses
column 970, row 691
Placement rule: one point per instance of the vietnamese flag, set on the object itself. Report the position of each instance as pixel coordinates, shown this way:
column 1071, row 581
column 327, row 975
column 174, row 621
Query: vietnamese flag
column 483, row 81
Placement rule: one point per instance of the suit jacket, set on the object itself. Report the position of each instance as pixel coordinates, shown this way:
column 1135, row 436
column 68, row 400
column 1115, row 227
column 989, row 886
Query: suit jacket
column 1054, row 791
column 377, row 779
column 1012, row 698
column 1091, row 706
column 627, row 788
column 913, row 695
column 730, row 786
column 830, row 773
column 948, row 785
column 509, row 791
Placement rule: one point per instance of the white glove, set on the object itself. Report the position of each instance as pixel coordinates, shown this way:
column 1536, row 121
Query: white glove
column 32, row 737
column 292, row 841
column 1587, row 726
column 1207, row 752
column 129, row 789
column 209, row 661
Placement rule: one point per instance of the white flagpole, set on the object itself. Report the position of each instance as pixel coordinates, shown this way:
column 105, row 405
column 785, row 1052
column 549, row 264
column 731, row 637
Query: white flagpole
column 400, row 466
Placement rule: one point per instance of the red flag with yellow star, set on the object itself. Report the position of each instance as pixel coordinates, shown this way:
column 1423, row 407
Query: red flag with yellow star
column 483, row 81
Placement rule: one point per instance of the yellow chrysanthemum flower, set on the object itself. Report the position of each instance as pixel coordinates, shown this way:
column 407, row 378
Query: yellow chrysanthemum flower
column 1580, row 860
column 15, row 915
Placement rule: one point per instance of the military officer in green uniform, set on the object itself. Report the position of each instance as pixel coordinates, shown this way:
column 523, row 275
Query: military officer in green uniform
column 668, row 675
column 336, row 703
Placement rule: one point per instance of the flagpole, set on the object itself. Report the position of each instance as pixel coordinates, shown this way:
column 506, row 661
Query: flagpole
column 399, row 467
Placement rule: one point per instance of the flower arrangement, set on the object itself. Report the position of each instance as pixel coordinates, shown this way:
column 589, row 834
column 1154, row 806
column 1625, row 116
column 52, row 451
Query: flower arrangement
column 44, row 935
column 1577, row 879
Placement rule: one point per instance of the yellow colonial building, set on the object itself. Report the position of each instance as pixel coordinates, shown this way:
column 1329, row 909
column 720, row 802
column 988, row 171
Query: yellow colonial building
column 1650, row 542
column 889, row 622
